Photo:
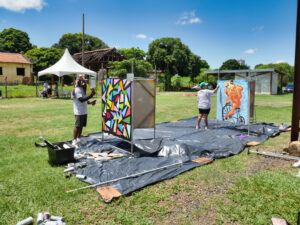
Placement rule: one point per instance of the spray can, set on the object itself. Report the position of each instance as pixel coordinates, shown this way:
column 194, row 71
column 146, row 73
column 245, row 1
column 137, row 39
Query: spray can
column 39, row 219
column 27, row 221
column 57, row 218
column 46, row 216
column 80, row 176
column 69, row 169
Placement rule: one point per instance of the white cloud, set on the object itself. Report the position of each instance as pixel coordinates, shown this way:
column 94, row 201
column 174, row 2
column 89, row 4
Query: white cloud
column 258, row 29
column 22, row 5
column 141, row 36
column 279, row 61
column 250, row 51
column 188, row 18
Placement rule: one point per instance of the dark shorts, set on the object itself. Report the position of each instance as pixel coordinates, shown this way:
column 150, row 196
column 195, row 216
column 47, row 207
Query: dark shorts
column 80, row 120
column 204, row 111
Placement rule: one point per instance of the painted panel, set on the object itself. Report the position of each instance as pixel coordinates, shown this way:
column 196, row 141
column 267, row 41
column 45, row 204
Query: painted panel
column 144, row 103
column 232, row 101
column 116, row 107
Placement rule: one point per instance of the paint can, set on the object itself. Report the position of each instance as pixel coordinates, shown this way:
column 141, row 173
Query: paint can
column 27, row 221
column 46, row 216
column 80, row 176
column 69, row 169
column 57, row 218
column 39, row 219
column 68, row 174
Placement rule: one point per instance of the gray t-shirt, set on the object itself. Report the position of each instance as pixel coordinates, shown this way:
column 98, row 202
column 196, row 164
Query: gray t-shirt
column 80, row 108
column 204, row 98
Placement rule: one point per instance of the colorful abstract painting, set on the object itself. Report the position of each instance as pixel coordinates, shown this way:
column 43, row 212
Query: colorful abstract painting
column 232, row 101
column 116, row 107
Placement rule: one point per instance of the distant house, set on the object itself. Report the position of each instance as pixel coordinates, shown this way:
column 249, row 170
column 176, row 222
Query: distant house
column 16, row 68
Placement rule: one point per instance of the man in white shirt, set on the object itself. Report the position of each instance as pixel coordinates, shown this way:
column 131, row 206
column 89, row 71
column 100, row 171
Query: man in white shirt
column 80, row 101
column 204, row 103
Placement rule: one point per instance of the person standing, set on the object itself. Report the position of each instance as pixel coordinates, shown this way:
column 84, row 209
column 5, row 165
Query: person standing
column 80, row 101
column 204, row 103
column 45, row 90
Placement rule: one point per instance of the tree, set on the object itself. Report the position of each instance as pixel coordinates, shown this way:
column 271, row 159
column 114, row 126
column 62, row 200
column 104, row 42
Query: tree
column 121, row 68
column 130, row 53
column 171, row 56
column 195, row 63
column 233, row 64
column 74, row 43
column 43, row 57
column 283, row 67
column 15, row 41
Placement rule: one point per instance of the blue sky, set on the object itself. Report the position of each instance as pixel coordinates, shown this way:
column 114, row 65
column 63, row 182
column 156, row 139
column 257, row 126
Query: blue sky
column 258, row 31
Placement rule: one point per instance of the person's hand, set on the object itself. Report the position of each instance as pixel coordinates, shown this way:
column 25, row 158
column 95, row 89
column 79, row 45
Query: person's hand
column 93, row 102
column 218, row 86
column 93, row 92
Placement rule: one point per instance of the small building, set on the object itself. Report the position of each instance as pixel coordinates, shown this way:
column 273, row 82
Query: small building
column 266, row 80
column 97, row 59
column 16, row 68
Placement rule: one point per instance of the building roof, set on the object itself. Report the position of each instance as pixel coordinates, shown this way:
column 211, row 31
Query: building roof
column 252, row 72
column 14, row 58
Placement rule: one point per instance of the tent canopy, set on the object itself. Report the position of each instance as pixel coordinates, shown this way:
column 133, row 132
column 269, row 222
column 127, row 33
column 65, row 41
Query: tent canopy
column 66, row 65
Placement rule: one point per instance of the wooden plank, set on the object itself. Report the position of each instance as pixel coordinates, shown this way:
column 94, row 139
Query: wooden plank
column 202, row 160
column 252, row 143
column 108, row 193
column 276, row 155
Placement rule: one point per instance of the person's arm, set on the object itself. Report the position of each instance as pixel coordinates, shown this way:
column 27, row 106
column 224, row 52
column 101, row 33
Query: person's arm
column 86, row 98
column 215, row 90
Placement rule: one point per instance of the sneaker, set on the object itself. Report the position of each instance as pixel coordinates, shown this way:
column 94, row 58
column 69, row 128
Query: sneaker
column 78, row 140
column 296, row 164
column 197, row 127
column 74, row 142
column 206, row 128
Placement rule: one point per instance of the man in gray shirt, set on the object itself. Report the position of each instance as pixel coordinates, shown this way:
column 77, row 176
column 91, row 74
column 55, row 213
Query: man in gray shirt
column 80, row 101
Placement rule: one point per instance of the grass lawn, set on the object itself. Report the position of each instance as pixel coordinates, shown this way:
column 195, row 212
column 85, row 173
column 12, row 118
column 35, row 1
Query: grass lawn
column 243, row 189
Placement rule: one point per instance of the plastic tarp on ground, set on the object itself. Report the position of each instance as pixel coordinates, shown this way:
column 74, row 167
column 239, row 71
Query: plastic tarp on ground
column 178, row 147
column 66, row 65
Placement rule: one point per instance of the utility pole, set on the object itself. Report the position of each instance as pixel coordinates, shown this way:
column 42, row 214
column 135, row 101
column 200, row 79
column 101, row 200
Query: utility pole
column 82, row 55
column 296, row 94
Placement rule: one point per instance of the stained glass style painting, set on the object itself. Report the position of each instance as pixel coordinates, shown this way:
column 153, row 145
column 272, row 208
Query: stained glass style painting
column 232, row 101
column 116, row 107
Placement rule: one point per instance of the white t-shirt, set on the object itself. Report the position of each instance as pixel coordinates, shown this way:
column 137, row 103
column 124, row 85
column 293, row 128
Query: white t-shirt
column 80, row 108
column 45, row 86
column 204, row 98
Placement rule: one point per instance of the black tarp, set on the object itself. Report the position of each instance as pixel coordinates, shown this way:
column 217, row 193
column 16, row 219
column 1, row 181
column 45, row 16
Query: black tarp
column 171, row 152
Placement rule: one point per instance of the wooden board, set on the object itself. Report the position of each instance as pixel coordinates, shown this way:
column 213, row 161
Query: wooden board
column 202, row 160
column 108, row 193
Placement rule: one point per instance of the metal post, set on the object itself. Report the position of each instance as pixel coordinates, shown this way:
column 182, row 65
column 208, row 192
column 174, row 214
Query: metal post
column 5, row 87
column 101, row 101
column 82, row 54
column 37, row 85
column 296, row 94
column 154, row 100
column 218, row 91
column 132, row 109
column 249, row 79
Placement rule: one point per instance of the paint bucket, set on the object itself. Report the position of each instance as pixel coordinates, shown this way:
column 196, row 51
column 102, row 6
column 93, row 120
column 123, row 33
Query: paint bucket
column 80, row 176
column 57, row 218
column 39, row 219
column 46, row 216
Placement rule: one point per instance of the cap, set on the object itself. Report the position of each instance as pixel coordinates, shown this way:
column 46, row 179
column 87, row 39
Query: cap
column 202, row 84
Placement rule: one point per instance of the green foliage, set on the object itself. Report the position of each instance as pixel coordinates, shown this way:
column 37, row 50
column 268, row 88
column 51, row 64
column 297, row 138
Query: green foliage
column 131, row 53
column 15, row 41
column 203, row 77
column 173, row 57
column 74, row 43
column 170, row 53
column 43, row 57
column 283, row 67
column 121, row 68
column 176, row 82
column 233, row 64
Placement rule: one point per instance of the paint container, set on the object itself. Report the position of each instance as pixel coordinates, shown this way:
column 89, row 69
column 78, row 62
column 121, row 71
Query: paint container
column 39, row 219
column 69, row 169
column 57, row 218
column 71, row 165
column 46, row 216
column 68, row 174
column 27, row 221
column 79, row 176
column 81, row 165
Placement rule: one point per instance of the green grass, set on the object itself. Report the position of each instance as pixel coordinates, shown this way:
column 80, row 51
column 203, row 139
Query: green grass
column 242, row 189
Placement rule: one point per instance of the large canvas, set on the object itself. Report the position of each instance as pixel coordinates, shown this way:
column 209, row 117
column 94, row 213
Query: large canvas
column 116, row 107
column 232, row 101
column 144, row 103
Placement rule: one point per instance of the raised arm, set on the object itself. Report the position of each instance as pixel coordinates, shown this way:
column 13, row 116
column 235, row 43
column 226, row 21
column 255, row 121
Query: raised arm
column 215, row 90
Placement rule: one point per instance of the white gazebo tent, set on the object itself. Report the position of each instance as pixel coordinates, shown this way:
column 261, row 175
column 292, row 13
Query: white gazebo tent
column 65, row 66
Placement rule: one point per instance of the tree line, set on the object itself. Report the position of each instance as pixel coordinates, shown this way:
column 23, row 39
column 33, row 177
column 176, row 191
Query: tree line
column 168, row 54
